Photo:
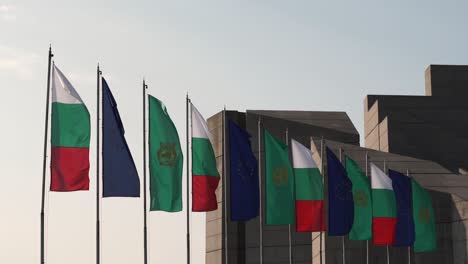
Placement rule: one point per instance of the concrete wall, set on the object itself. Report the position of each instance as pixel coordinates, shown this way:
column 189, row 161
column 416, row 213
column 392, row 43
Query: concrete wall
column 431, row 128
column 243, row 239
column 449, row 193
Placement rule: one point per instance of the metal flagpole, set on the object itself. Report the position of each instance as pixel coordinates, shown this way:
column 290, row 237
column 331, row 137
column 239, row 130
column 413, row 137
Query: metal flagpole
column 98, row 155
column 367, row 174
column 322, row 145
column 388, row 248
column 343, row 237
column 289, row 226
column 188, row 178
column 145, row 210
column 409, row 247
column 44, row 161
column 260, row 186
column 225, row 189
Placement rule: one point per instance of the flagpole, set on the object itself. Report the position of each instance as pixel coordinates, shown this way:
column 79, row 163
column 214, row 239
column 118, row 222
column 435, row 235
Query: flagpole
column 409, row 247
column 145, row 210
column 225, row 190
column 44, row 161
column 289, row 226
column 367, row 174
column 388, row 249
column 343, row 237
column 98, row 154
column 260, row 186
column 187, row 106
column 322, row 145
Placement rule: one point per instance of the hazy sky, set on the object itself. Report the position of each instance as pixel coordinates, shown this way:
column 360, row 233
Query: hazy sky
column 258, row 54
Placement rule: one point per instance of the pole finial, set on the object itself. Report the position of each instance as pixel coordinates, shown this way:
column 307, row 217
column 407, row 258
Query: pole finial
column 50, row 51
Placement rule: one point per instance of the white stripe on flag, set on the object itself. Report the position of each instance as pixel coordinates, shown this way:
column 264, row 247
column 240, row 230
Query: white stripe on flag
column 379, row 179
column 302, row 156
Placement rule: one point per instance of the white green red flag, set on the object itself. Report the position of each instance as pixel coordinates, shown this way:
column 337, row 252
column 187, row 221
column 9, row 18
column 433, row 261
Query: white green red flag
column 384, row 208
column 310, row 212
column 70, row 137
column 205, row 176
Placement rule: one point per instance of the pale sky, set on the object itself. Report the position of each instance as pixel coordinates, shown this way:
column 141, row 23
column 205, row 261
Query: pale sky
column 257, row 54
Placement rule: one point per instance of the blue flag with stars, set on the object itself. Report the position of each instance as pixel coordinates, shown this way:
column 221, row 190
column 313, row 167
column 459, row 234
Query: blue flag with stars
column 245, row 200
column 340, row 197
column 404, row 231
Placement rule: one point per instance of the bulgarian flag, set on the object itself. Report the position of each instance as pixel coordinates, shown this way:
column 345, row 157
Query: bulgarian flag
column 310, row 216
column 69, row 137
column 384, row 209
column 205, row 176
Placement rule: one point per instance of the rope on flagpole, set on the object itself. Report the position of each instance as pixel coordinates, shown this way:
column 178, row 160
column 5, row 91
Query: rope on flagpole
column 322, row 145
column 44, row 161
column 259, row 125
column 343, row 237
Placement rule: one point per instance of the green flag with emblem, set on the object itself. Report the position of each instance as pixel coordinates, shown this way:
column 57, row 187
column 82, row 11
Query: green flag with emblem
column 165, row 160
column 362, row 225
column 279, row 182
column 424, row 221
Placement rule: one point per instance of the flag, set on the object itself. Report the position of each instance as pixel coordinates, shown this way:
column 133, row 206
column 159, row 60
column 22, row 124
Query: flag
column 245, row 197
column 362, row 224
column 424, row 220
column 205, row 176
column 383, row 208
column 310, row 212
column 119, row 174
column 165, row 160
column 340, row 198
column 404, row 229
column 279, row 182
column 70, row 135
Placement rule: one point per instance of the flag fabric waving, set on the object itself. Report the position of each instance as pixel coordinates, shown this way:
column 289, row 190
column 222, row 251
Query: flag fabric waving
column 70, row 137
column 165, row 160
column 404, row 229
column 424, row 220
column 340, row 197
column 119, row 174
column 279, row 182
column 362, row 224
column 310, row 214
column 205, row 175
column 384, row 211
column 245, row 199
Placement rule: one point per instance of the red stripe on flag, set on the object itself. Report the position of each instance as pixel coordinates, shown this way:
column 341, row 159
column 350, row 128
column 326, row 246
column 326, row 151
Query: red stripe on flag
column 383, row 230
column 310, row 216
column 204, row 193
column 69, row 169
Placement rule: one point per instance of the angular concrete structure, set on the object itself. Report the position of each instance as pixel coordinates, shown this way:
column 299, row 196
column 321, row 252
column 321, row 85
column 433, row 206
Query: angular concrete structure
column 424, row 135
column 243, row 239
column 430, row 127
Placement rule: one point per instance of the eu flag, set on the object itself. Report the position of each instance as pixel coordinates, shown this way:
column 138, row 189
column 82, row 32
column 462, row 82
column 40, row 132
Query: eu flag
column 340, row 198
column 404, row 231
column 119, row 175
column 245, row 200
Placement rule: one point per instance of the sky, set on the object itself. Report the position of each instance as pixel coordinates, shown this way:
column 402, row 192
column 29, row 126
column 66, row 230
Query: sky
column 257, row 54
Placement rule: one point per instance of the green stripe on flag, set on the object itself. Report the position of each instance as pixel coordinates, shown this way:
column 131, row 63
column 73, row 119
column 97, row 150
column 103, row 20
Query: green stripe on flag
column 383, row 203
column 203, row 158
column 308, row 184
column 70, row 125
